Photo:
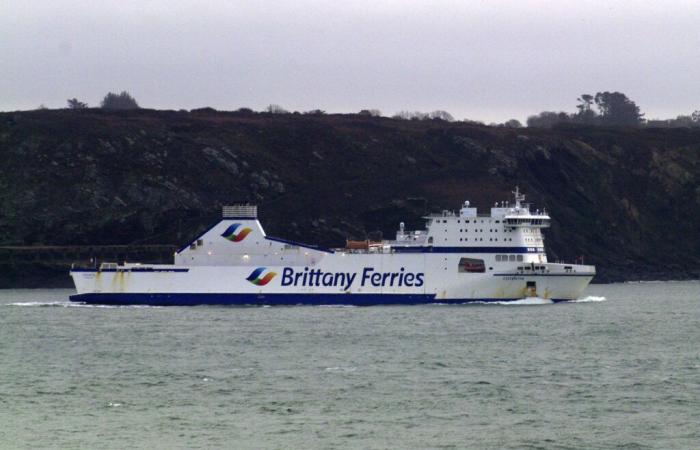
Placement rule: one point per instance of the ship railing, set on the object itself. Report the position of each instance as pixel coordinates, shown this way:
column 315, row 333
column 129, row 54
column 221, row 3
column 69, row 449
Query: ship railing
column 240, row 211
column 533, row 268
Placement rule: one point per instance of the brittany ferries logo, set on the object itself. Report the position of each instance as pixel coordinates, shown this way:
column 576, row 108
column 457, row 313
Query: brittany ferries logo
column 255, row 278
column 231, row 235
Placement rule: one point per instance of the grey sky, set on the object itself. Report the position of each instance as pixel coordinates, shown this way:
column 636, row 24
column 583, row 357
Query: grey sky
column 488, row 60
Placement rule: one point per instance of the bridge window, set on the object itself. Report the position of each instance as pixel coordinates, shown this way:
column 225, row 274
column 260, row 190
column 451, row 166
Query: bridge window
column 511, row 257
column 471, row 265
column 520, row 257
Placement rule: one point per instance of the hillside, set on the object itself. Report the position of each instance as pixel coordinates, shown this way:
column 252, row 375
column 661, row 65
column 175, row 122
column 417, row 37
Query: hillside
column 627, row 199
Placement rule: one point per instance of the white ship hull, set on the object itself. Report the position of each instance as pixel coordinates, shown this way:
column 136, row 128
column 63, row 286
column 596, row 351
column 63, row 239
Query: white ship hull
column 234, row 262
column 173, row 285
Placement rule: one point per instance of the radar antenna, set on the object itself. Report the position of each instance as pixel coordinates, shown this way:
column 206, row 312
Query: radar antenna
column 518, row 197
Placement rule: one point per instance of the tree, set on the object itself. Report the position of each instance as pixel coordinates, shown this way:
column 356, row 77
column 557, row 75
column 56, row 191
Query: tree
column 585, row 114
column 442, row 115
column 513, row 123
column 370, row 112
column 411, row 115
column 119, row 101
column 617, row 110
column 547, row 119
column 689, row 121
column 204, row 110
column 74, row 103
column 244, row 110
column 276, row 109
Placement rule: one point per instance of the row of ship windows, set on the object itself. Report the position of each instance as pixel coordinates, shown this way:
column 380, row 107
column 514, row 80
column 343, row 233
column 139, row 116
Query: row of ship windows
column 494, row 230
column 466, row 221
column 481, row 239
column 509, row 258
column 473, row 265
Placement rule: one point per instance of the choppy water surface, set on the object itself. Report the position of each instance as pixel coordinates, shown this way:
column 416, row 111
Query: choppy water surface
column 618, row 370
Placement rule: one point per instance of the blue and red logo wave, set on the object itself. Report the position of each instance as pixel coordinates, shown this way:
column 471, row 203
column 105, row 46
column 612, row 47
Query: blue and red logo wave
column 231, row 234
column 255, row 278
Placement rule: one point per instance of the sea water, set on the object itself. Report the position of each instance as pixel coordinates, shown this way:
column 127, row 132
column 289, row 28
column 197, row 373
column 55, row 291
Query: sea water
column 619, row 368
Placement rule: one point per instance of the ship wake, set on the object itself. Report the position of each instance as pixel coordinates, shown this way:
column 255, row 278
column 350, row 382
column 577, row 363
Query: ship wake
column 525, row 301
column 67, row 304
column 589, row 299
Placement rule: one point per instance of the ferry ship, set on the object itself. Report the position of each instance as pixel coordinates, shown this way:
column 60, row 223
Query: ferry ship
column 459, row 257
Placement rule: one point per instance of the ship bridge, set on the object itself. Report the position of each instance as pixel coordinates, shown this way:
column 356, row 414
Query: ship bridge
column 518, row 214
column 512, row 229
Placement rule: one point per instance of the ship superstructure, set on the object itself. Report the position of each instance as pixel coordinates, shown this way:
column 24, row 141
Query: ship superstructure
column 459, row 257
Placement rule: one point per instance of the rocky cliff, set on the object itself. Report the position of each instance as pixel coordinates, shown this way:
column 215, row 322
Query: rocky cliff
column 627, row 199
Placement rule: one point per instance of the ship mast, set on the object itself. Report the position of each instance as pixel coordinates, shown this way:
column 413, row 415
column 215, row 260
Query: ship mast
column 518, row 197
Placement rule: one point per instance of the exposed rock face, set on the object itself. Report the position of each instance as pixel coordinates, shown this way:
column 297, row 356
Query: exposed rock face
column 629, row 200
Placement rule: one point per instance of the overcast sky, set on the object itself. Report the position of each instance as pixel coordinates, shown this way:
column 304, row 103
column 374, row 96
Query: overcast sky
column 485, row 60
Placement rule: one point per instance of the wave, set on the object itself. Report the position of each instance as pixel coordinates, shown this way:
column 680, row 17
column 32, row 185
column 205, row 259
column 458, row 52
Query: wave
column 659, row 281
column 67, row 304
column 522, row 301
column 590, row 298
column 335, row 306
column 525, row 301
column 340, row 369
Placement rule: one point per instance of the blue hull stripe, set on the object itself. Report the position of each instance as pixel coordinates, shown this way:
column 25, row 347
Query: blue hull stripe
column 176, row 299
column 536, row 274
column 468, row 249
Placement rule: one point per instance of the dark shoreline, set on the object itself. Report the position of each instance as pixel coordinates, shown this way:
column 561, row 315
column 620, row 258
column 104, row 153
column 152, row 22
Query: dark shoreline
column 134, row 182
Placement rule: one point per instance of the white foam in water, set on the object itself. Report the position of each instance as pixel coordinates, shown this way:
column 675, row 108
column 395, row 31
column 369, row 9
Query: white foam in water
column 65, row 304
column 526, row 301
column 590, row 298
column 522, row 301
column 336, row 306
column 340, row 369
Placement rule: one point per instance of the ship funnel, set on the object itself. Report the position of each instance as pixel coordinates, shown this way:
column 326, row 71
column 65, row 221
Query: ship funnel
column 240, row 212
